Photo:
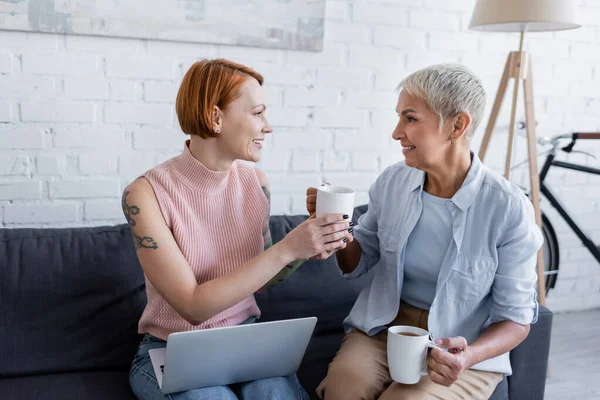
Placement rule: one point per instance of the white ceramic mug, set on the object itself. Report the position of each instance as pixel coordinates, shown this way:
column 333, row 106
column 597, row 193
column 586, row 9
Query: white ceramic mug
column 407, row 354
column 335, row 200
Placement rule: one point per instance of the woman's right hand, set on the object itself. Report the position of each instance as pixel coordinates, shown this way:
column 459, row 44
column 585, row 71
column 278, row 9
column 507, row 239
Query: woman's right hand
column 318, row 237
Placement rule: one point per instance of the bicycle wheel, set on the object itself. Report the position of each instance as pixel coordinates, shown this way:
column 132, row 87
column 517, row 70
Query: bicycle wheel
column 551, row 253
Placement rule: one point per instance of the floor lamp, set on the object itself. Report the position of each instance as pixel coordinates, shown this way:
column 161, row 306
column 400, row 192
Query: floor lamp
column 522, row 16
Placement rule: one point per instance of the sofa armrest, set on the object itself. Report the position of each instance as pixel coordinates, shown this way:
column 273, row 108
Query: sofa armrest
column 529, row 361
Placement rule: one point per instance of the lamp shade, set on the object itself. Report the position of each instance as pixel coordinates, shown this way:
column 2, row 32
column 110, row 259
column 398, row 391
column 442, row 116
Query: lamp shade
column 520, row 15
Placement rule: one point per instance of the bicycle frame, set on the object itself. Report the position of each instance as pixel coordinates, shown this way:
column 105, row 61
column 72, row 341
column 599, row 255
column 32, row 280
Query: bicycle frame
column 547, row 192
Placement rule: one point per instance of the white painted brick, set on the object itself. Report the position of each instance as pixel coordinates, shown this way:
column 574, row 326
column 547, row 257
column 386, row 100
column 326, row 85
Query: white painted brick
column 246, row 55
column 5, row 111
column 138, row 114
column 87, row 89
column 160, row 92
column 453, row 41
column 20, row 190
column 39, row 213
column 122, row 90
column 360, row 181
column 287, row 75
column 61, row 111
column 86, row 136
column 280, row 204
column 375, row 58
column 497, row 43
column 305, row 161
column 388, row 80
column 97, row 164
column 318, row 97
column 47, row 165
column 275, row 161
column 390, row 158
column 62, row 64
column 337, row 10
column 21, row 138
column 103, row 210
column 548, row 48
column 380, row 14
column 420, row 59
column 335, row 161
column 140, row 68
column 400, row 38
column 348, row 78
column 5, row 63
column 364, row 161
column 592, row 3
column 136, row 164
column 584, row 34
column 371, row 99
column 432, row 20
column 349, row 141
column 292, row 139
column 13, row 165
column 89, row 188
column 159, row 48
column 593, row 107
column 571, row 302
column 29, row 40
column 340, row 118
column 361, row 197
column 299, row 204
column 288, row 116
column 585, row 52
column 25, row 85
column 549, row 88
column 451, row 5
column 155, row 138
column 103, row 45
column 332, row 55
column 274, row 95
column 346, row 32
column 297, row 183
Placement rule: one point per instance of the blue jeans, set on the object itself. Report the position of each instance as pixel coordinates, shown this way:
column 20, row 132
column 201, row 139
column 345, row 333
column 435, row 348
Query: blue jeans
column 145, row 386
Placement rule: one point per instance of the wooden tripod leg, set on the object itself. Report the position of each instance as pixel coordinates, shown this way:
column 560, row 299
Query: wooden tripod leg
column 533, row 175
column 495, row 109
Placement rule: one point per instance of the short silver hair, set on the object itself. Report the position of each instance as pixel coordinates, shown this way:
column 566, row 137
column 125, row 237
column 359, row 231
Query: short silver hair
column 448, row 89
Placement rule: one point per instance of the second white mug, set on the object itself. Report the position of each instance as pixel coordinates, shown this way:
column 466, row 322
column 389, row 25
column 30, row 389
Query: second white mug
column 335, row 200
column 407, row 348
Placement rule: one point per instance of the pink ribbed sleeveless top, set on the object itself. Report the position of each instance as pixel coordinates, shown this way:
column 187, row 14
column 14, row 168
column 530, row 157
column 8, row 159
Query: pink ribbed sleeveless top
column 216, row 219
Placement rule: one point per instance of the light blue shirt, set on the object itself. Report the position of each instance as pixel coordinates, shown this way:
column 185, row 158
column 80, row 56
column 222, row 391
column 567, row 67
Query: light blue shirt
column 488, row 273
column 425, row 251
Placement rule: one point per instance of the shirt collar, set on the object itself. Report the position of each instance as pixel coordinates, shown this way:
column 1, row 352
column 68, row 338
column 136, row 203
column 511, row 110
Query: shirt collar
column 465, row 196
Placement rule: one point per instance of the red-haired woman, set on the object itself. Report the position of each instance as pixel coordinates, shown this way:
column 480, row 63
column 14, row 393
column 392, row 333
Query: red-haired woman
column 200, row 223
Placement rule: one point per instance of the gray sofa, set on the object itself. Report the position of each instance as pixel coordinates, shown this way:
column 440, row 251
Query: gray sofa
column 70, row 300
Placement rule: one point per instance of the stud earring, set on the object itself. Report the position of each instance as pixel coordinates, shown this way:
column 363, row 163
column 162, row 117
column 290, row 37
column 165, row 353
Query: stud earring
column 453, row 141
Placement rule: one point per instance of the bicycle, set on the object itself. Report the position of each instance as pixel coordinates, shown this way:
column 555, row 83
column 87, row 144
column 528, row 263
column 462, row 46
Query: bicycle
column 550, row 246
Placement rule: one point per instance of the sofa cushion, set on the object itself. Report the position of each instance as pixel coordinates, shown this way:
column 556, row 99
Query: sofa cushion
column 317, row 288
column 71, row 299
column 97, row 385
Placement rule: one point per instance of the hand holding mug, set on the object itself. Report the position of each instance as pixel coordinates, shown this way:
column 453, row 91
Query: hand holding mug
column 445, row 367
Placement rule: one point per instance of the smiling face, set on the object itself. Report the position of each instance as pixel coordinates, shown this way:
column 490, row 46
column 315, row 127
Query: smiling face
column 424, row 142
column 244, row 123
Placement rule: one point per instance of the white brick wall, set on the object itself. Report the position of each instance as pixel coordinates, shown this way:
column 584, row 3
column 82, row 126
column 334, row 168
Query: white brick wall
column 80, row 117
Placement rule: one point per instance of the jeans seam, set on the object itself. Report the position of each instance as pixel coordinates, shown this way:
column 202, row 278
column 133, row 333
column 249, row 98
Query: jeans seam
column 151, row 379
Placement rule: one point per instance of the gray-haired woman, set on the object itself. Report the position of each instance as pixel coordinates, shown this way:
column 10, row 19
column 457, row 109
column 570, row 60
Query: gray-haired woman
column 453, row 247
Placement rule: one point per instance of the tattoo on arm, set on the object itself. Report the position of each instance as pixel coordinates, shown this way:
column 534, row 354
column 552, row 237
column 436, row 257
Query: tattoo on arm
column 145, row 242
column 288, row 269
column 268, row 240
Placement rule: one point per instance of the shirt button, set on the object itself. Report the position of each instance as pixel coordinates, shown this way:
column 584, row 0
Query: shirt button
column 457, row 224
column 450, row 204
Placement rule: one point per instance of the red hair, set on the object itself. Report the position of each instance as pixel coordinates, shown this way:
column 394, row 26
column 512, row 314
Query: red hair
column 209, row 83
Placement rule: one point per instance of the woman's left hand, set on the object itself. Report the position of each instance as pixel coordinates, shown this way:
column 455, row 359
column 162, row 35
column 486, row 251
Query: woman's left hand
column 445, row 367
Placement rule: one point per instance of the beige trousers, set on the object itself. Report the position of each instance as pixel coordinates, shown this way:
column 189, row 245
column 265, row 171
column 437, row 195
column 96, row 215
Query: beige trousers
column 360, row 371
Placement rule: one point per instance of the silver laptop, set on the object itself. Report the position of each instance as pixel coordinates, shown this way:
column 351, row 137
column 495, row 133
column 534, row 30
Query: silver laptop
column 223, row 356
